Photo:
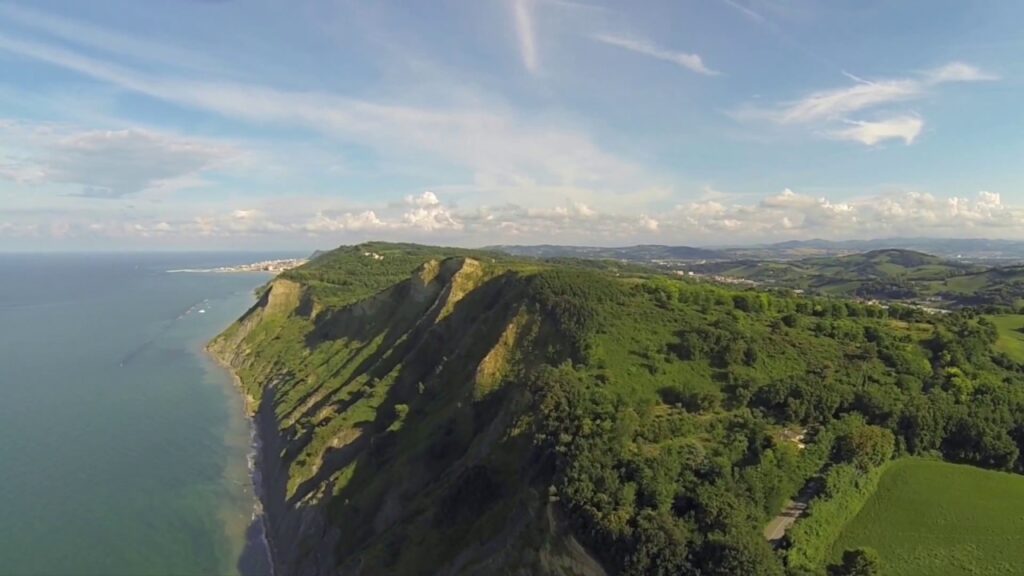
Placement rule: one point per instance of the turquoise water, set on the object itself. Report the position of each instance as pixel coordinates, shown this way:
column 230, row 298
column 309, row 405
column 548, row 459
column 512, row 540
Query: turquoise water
column 123, row 447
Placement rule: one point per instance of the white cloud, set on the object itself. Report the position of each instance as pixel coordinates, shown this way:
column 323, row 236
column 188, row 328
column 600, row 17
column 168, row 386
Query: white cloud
column 18, row 230
column 525, row 34
column 571, row 210
column 325, row 221
column 837, row 103
column 425, row 200
column 428, row 214
column 86, row 35
column 746, row 11
column 491, row 141
column 905, row 128
column 958, row 72
column 112, row 164
column 691, row 62
column 21, row 172
column 825, row 109
column 426, row 217
column 793, row 215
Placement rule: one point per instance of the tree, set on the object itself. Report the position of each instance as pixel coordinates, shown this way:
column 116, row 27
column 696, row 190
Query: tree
column 857, row 562
column 739, row 553
column 865, row 446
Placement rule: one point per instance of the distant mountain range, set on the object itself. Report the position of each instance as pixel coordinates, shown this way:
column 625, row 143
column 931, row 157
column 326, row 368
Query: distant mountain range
column 974, row 249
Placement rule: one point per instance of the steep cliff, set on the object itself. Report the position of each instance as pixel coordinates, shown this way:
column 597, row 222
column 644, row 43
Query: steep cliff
column 392, row 425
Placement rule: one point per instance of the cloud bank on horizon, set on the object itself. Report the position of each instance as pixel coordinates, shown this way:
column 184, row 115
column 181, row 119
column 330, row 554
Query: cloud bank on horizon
column 251, row 124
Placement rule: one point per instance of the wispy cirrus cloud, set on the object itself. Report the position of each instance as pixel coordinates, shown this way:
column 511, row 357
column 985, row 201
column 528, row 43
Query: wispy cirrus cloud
column 494, row 143
column 825, row 108
column 104, row 40
column 745, row 10
column 837, row 103
column 692, row 62
column 864, row 94
column 523, row 13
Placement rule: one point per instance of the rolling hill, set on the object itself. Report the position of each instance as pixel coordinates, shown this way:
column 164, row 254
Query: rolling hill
column 888, row 274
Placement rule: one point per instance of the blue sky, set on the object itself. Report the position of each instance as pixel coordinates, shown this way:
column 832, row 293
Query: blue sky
column 263, row 124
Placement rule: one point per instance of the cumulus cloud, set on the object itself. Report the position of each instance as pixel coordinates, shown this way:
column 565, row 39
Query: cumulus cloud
column 325, row 221
column 692, row 62
column 793, row 215
column 426, row 217
column 428, row 214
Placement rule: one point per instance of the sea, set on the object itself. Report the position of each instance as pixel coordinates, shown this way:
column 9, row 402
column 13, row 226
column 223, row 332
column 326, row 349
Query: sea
column 124, row 448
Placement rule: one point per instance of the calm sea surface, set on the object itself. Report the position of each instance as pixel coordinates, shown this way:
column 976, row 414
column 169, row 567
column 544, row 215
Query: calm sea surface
column 123, row 447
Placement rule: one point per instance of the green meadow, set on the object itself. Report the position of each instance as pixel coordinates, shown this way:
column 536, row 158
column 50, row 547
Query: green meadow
column 936, row 518
column 1011, row 335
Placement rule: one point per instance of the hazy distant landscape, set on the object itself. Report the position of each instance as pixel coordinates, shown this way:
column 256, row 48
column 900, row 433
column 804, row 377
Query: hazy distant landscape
column 972, row 250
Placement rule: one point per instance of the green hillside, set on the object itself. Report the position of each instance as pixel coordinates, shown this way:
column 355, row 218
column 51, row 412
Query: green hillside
column 999, row 287
column 1011, row 335
column 442, row 411
column 888, row 274
column 929, row 517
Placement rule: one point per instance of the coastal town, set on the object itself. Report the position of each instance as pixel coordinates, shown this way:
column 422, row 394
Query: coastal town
column 272, row 266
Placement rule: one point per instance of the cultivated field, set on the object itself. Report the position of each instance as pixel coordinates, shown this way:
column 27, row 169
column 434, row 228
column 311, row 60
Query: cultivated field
column 1011, row 335
column 936, row 518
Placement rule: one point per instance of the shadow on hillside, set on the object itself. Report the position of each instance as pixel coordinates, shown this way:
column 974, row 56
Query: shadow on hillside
column 425, row 457
column 372, row 322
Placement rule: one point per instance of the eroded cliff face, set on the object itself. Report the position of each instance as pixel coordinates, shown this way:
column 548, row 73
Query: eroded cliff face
column 395, row 429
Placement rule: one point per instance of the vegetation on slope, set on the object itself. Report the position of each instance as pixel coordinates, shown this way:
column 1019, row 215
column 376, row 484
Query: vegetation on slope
column 480, row 413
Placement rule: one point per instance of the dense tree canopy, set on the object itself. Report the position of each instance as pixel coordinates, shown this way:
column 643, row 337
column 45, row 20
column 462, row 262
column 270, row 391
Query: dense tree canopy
column 700, row 465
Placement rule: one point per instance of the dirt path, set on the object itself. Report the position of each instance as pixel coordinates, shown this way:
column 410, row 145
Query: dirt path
column 776, row 529
column 794, row 509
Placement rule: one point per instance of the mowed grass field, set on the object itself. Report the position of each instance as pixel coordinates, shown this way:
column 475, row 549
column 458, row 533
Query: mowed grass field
column 935, row 518
column 1011, row 335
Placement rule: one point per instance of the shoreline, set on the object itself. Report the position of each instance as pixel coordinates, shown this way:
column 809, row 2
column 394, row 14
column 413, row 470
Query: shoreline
column 254, row 457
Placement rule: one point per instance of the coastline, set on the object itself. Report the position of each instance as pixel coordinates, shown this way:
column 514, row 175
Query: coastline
column 255, row 458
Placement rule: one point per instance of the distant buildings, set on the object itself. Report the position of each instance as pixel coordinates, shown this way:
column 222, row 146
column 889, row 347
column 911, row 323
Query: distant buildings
column 273, row 266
